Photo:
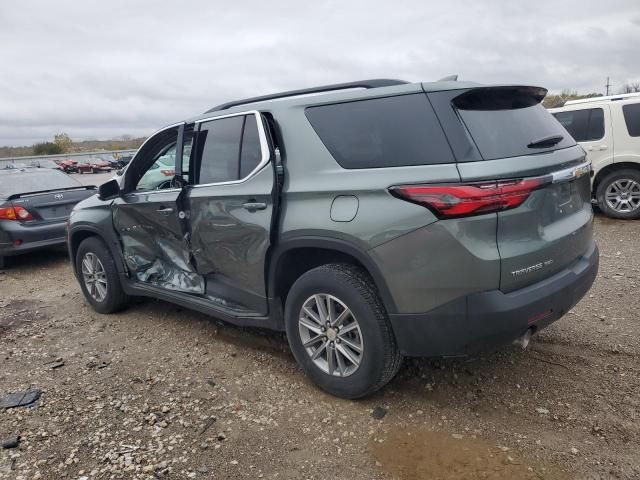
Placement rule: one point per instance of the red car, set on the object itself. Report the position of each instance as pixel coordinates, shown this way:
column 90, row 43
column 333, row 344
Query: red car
column 94, row 166
column 68, row 165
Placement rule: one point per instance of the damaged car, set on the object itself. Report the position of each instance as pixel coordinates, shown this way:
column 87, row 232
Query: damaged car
column 369, row 221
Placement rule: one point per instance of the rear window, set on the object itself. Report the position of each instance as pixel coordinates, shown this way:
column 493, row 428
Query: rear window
column 34, row 180
column 584, row 125
column 632, row 118
column 509, row 122
column 381, row 132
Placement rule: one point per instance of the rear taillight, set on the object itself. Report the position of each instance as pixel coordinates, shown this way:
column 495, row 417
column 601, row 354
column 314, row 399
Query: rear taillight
column 168, row 173
column 448, row 201
column 15, row 213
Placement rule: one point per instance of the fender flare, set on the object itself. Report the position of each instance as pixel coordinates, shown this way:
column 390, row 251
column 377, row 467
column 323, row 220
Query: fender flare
column 330, row 243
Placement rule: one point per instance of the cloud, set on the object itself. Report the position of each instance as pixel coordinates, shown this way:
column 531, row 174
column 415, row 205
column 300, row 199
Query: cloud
column 96, row 69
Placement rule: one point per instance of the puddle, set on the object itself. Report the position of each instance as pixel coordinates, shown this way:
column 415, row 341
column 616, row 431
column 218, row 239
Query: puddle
column 425, row 455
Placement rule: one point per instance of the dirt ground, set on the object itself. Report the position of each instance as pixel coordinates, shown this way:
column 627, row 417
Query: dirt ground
column 161, row 392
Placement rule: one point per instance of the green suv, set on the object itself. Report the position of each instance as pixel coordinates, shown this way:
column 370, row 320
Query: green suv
column 369, row 220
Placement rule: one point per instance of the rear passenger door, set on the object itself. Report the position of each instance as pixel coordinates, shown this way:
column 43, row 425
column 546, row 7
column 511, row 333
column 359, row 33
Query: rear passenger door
column 591, row 128
column 230, row 204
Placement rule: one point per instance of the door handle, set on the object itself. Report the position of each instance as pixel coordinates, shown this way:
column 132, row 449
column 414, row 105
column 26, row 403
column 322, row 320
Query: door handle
column 252, row 206
column 165, row 210
column 592, row 148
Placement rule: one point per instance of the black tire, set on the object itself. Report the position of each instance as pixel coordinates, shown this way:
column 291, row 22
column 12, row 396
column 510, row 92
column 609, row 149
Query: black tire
column 622, row 174
column 115, row 298
column 380, row 357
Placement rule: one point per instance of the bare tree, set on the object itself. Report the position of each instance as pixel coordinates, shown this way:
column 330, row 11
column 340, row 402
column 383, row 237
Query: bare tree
column 632, row 87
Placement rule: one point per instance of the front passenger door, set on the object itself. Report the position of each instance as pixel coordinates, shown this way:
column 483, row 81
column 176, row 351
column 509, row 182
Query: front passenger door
column 149, row 217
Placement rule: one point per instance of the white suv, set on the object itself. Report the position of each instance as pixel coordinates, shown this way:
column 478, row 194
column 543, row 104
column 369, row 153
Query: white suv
column 608, row 128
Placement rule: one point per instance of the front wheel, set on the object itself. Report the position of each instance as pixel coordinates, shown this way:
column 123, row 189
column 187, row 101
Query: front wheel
column 339, row 331
column 618, row 194
column 98, row 276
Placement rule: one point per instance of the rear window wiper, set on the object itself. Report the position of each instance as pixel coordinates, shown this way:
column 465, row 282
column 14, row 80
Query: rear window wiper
column 545, row 142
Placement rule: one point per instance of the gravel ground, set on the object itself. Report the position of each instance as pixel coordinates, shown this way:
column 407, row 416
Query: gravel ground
column 161, row 392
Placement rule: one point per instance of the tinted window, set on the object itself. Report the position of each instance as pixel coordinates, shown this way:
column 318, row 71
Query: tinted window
column 34, row 180
column 219, row 144
column 383, row 132
column 251, row 154
column 508, row 132
column 583, row 125
column 632, row 118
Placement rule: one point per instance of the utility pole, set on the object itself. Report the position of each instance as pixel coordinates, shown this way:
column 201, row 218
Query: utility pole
column 607, row 85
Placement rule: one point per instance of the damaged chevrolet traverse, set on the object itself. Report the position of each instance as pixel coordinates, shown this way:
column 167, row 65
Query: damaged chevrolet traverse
column 369, row 221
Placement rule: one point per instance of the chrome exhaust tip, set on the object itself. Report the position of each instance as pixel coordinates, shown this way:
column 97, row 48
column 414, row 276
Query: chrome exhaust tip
column 523, row 341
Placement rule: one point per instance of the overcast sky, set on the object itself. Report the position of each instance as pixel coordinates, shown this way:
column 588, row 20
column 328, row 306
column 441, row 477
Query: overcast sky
column 99, row 69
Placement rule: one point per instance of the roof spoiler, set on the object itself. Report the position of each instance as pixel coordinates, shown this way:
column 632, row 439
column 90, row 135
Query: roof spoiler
column 503, row 97
column 40, row 192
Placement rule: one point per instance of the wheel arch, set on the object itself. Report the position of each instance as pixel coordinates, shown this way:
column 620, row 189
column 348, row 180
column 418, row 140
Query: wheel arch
column 78, row 235
column 610, row 168
column 293, row 257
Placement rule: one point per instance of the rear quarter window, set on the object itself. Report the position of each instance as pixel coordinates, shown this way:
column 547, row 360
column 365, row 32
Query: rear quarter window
column 584, row 125
column 631, row 114
column 382, row 132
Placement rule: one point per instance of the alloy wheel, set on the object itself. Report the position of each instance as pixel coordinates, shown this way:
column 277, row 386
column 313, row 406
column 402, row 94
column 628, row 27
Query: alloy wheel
column 94, row 276
column 331, row 335
column 623, row 195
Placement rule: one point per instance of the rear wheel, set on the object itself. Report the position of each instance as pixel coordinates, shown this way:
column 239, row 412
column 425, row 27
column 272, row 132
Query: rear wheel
column 339, row 332
column 618, row 194
column 98, row 276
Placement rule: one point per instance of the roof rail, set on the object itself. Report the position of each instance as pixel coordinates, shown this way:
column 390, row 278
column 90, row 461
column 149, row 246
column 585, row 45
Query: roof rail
column 373, row 83
column 609, row 98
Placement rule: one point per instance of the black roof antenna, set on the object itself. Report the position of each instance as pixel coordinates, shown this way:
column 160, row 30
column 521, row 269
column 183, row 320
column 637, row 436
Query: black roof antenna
column 449, row 78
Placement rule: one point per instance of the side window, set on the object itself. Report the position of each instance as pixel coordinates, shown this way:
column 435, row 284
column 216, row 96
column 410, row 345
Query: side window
column 161, row 172
column 220, row 150
column 154, row 165
column 631, row 114
column 228, row 149
column 382, row 132
column 584, row 125
column 250, row 154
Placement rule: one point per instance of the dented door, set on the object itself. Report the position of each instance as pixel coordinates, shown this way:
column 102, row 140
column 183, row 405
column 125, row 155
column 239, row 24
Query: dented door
column 150, row 216
column 154, row 240
column 230, row 207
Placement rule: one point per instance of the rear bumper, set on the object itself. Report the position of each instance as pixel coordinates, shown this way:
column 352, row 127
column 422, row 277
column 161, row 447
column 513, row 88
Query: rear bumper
column 490, row 319
column 32, row 237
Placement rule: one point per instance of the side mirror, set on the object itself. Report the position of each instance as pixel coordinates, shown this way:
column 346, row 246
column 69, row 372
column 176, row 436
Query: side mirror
column 108, row 190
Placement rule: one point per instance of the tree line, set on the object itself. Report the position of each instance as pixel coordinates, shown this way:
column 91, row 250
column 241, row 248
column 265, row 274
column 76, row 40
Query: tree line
column 62, row 143
column 557, row 100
